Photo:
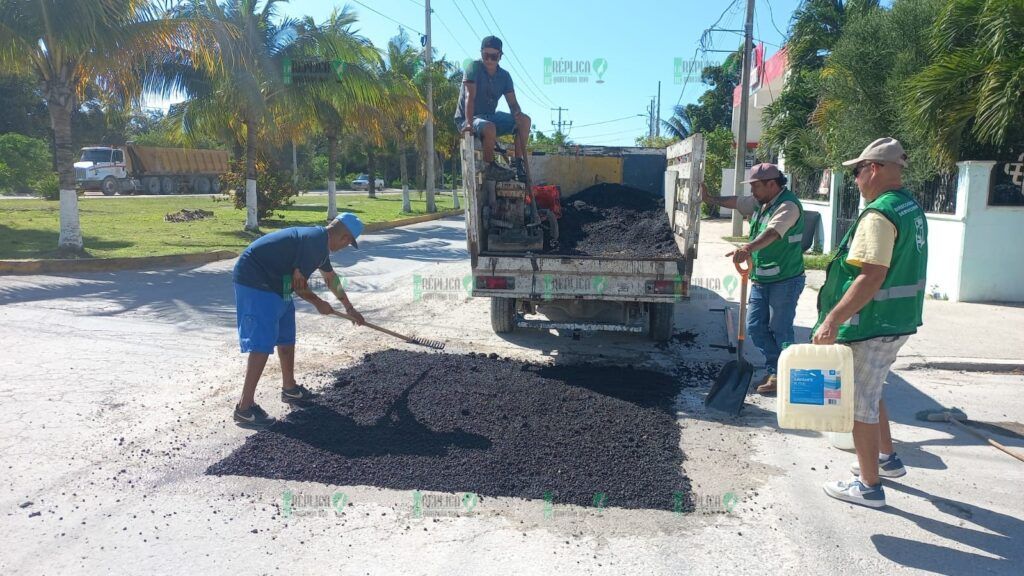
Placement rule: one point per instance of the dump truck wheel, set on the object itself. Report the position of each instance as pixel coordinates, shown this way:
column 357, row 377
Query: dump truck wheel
column 168, row 185
column 201, row 185
column 151, row 185
column 109, row 186
column 661, row 320
column 503, row 315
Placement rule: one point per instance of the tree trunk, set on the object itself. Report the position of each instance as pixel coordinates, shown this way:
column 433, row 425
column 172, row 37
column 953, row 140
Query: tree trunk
column 455, row 189
column 60, row 103
column 252, row 223
column 403, row 165
column 431, row 205
column 332, row 198
column 371, row 171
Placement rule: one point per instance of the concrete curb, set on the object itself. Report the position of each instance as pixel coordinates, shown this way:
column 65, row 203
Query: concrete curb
column 64, row 266
column 378, row 226
column 71, row 265
column 959, row 364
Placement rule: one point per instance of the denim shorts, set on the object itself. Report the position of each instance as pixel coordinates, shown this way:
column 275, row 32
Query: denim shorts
column 265, row 319
column 503, row 122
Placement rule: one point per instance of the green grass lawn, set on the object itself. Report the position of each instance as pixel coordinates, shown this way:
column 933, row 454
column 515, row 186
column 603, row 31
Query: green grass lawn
column 114, row 227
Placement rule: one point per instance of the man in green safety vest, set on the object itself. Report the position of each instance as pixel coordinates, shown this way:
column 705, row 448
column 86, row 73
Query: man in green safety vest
column 872, row 301
column 776, row 247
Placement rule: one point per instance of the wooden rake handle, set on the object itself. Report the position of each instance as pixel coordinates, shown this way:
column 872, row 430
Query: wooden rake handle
column 375, row 327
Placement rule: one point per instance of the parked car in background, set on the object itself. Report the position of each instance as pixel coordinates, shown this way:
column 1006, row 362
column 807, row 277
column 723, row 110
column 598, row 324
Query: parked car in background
column 362, row 182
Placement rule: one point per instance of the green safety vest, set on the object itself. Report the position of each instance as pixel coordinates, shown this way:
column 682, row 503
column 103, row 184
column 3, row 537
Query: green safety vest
column 896, row 307
column 784, row 258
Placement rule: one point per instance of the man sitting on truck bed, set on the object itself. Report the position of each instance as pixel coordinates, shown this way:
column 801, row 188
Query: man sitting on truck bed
column 484, row 83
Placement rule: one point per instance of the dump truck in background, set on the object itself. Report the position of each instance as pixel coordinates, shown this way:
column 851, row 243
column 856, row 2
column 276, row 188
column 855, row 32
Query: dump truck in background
column 136, row 169
column 586, row 292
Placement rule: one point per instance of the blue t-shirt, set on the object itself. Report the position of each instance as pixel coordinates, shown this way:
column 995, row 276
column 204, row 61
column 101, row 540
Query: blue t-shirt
column 268, row 262
column 488, row 90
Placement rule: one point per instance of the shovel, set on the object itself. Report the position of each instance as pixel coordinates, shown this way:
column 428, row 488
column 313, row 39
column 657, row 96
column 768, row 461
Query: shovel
column 730, row 390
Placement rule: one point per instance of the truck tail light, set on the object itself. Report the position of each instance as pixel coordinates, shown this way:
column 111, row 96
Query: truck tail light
column 495, row 282
column 677, row 287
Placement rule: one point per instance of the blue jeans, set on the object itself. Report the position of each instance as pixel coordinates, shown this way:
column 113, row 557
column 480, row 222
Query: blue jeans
column 770, row 313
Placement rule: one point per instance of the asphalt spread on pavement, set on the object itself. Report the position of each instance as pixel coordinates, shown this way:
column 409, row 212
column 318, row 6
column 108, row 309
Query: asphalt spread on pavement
column 571, row 434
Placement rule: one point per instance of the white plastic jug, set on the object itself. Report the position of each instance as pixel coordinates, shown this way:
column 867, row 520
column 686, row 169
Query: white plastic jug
column 815, row 388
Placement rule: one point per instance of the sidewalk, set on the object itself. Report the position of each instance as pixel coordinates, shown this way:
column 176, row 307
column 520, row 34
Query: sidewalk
column 955, row 335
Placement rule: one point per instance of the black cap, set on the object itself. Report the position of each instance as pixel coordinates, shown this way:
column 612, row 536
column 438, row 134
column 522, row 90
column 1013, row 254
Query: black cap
column 491, row 42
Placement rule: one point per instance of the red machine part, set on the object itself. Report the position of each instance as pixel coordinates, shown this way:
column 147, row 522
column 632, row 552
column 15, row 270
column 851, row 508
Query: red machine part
column 549, row 197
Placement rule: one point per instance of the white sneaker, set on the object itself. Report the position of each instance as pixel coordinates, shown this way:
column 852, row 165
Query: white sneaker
column 889, row 468
column 856, row 493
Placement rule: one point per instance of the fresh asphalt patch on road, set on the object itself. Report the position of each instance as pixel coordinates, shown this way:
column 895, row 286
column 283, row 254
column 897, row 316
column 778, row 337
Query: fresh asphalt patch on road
column 588, row 434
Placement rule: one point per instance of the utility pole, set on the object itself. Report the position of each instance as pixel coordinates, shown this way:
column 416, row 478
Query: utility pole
column 657, row 121
column 650, row 119
column 560, row 123
column 741, row 138
column 428, row 60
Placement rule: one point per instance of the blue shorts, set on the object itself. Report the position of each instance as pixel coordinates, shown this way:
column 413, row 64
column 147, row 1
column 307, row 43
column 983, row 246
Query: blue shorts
column 265, row 319
column 503, row 122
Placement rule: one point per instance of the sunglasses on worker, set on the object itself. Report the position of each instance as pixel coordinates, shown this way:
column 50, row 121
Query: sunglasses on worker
column 859, row 167
column 491, row 55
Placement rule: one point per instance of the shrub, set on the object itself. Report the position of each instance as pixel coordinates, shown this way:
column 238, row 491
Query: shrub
column 274, row 191
column 26, row 159
column 48, row 186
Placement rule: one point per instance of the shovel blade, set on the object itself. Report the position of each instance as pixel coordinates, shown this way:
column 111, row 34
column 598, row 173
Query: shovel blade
column 730, row 389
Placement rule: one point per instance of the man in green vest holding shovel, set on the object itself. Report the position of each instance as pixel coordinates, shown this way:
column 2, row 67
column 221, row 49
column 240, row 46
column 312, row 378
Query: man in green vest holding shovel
column 872, row 301
column 776, row 247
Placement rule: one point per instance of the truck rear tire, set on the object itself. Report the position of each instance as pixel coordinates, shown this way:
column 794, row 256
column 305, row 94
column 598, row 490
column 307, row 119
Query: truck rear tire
column 168, row 185
column 109, row 186
column 201, row 185
column 661, row 321
column 151, row 184
column 503, row 315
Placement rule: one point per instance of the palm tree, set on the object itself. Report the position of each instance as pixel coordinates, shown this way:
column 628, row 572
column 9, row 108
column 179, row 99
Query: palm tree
column 970, row 93
column 248, row 94
column 71, row 47
column 335, row 111
column 400, row 67
column 788, row 128
column 679, row 125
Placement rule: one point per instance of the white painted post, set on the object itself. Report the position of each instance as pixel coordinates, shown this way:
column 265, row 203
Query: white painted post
column 70, row 227
column 332, row 200
column 251, row 222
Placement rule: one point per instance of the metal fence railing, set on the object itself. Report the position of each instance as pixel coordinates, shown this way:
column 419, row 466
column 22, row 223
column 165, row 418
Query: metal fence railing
column 937, row 195
column 808, row 187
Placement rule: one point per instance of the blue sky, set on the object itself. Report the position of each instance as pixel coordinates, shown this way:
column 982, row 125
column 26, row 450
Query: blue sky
column 639, row 41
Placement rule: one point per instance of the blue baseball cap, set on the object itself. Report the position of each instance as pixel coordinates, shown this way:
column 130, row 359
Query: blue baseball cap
column 353, row 223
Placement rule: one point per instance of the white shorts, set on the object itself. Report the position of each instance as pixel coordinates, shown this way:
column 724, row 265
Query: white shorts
column 871, row 362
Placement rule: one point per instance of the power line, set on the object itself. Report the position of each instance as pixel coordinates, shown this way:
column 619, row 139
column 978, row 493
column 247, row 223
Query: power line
column 590, row 136
column 771, row 14
column 631, row 116
column 454, row 37
column 486, row 25
column 522, row 67
column 705, row 37
column 378, row 12
column 463, row 14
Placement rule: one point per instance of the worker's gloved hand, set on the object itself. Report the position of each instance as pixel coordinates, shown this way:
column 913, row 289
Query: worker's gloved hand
column 357, row 318
column 323, row 307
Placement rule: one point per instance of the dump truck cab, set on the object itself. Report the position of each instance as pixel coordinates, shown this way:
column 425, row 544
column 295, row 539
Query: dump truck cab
column 101, row 168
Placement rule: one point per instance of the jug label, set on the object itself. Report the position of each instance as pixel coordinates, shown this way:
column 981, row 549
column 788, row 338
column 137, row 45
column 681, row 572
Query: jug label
column 816, row 387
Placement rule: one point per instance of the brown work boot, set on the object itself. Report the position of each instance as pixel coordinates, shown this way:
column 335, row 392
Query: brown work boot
column 767, row 386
